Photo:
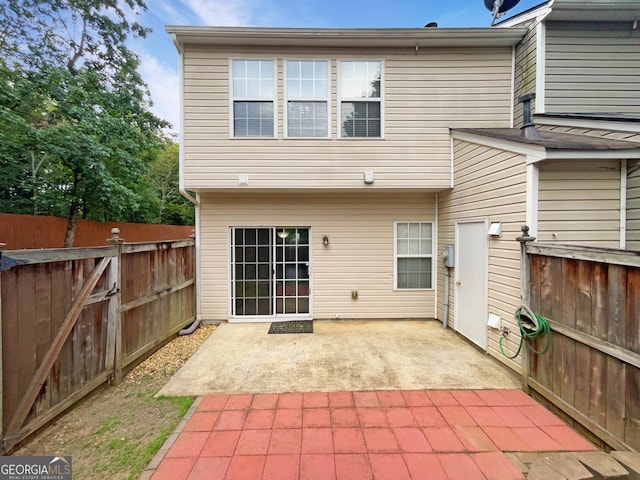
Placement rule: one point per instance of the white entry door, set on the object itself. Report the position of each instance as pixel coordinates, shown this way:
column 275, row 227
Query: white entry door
column 471, row 278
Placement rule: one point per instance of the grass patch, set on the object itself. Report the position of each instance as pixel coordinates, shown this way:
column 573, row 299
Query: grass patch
column 183, row 403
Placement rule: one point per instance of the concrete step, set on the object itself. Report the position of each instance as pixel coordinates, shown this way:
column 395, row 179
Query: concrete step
column 582, row 466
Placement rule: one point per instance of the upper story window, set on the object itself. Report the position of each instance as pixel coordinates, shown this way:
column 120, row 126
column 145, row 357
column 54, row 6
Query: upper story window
column 414, row 255
column 361, row 98
column 307, row 98
column 253, row 93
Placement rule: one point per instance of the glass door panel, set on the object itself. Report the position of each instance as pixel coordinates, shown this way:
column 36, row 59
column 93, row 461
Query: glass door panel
column 292, row 271
column 252, row 283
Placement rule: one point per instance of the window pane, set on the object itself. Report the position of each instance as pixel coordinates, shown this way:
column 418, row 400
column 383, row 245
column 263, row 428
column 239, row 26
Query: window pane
column 253, row 119
column 414, row 246
column 307, row 119
column 403, row 247
column 360, row 79
column 414, row 272
column 361, row 119
column 252, row 78
column 307, row 79
column 403, row 230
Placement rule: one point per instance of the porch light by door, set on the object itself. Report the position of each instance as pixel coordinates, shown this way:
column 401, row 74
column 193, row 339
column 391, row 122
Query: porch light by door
column 283, row 233
column 325, row 240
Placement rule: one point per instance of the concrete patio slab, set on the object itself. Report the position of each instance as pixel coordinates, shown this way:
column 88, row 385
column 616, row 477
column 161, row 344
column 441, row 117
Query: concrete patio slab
column 338, row 356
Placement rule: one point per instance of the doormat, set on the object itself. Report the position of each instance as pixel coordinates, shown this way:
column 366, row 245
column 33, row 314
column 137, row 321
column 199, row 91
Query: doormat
column 298, row 326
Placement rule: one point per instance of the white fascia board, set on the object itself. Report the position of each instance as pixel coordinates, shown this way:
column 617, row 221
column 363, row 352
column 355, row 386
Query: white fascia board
column 535, row 152
column 593, row 154
column 541, row 11
column 595, row 124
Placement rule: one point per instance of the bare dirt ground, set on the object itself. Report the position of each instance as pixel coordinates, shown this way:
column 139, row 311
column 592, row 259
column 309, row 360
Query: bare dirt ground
column 115, row 432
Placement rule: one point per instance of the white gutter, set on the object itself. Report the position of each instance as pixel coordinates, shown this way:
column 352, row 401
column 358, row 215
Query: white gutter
column 183, row 191
column 541, row 64
column 181, row 154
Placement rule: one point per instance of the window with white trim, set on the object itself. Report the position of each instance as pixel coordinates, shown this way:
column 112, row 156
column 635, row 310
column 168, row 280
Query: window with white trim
column 307, row 98
column 414, row 255
column 360, row 98
column 253, row 98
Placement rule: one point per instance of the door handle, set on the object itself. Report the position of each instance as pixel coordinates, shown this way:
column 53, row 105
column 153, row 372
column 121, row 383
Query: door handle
column 458, row 282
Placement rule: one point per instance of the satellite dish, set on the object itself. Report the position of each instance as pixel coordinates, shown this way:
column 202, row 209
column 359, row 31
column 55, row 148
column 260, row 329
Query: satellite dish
column 499, row 7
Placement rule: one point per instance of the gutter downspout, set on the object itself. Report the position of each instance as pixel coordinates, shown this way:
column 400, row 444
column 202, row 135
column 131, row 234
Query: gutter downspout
column 447, row 280
column 181, row 162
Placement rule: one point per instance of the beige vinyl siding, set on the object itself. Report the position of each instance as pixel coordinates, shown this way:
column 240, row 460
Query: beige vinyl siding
column 592, row 67
column 424, row 94
column 633, row 205
column 360, row 255
column 525, row 71
column 579, row 203
column 489, row 183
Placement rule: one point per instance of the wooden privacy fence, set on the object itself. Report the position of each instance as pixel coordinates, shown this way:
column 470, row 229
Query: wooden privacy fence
column 73, row 319
column 592, row 371
column 37, row 231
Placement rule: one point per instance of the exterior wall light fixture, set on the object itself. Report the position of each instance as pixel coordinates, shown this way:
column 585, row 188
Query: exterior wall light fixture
column 325, row 240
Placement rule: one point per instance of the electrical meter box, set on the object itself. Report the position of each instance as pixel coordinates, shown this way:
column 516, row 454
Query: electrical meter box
column 448, row 255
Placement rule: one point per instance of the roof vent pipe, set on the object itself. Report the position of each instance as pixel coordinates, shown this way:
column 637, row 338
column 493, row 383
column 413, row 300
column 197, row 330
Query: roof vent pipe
column 528, row 129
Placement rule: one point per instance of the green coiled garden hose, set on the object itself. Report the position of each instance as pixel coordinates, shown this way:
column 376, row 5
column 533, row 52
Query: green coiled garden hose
column 532, row 327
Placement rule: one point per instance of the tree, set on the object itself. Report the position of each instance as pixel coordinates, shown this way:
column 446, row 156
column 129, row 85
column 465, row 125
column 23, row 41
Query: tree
column 89, row 125
column 172, row 207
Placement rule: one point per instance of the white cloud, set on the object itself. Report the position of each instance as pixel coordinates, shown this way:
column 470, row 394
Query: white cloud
column 221, row 12
column 164, row 87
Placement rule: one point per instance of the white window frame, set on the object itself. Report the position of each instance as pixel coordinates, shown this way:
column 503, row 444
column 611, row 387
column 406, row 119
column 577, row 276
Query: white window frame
column 396, row 255
column 287, row 99
column 361, row 99
column 233, row 98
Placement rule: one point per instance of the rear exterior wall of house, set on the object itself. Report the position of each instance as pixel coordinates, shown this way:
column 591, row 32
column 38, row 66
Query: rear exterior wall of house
column 489, row 184
column 424, row 93
column 359, row 256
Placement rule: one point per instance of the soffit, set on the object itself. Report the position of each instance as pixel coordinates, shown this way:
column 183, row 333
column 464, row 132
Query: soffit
column 347, row 38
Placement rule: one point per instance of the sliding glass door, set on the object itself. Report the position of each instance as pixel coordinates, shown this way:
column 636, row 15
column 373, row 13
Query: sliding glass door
column 270, row 272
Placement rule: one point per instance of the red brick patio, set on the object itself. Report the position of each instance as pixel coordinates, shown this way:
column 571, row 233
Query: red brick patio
column 395, row 435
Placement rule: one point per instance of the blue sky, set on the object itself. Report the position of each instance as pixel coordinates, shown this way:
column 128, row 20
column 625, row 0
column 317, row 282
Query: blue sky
column 160, row 60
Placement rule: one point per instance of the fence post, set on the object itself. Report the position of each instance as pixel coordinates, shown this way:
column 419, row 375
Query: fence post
column 113, row 358
column 3, row 246
column 525, row 284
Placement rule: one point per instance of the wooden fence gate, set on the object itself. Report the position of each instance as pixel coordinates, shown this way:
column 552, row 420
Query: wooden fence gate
column 73, row 319
column 592, row 371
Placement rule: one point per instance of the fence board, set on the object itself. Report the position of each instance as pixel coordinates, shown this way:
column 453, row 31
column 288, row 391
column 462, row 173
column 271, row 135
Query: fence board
column 632, row 427
column 592, row 371
column 617, row 307
column 616, row 396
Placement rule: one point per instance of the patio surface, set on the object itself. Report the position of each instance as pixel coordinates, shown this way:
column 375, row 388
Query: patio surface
column 392, row 434
column 338, row 356
column 354, row 400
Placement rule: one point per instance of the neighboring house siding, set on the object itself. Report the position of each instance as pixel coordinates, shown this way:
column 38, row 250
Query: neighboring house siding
column 525, row 71
column 489, row 183
column 425, row 93
column 592, row 67
column 612, row 134
column 579, row 203
column 633, row 205
column 360, row 255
